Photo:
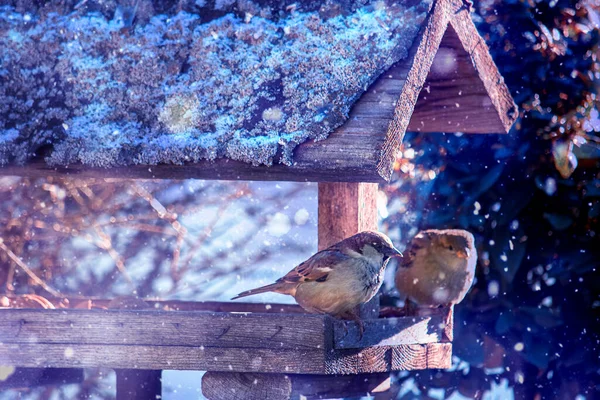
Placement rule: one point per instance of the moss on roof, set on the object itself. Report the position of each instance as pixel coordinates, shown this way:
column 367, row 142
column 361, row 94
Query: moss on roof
column 82, row 87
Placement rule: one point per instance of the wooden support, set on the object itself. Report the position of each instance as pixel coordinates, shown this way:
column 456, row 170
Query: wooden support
column 207, row 341
column 135, row 384
column 346, row 209
column 234, row 386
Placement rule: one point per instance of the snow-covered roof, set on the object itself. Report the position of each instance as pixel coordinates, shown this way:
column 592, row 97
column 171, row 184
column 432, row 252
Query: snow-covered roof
column 108, row 88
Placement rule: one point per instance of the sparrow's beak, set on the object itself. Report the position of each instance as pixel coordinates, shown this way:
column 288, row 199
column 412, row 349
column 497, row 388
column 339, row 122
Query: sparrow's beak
column 464, row 253
column 394, row 252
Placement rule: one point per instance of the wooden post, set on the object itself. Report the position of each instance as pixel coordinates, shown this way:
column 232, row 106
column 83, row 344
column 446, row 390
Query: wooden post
column 249, row 386
column 138, row 384
column 346, row 209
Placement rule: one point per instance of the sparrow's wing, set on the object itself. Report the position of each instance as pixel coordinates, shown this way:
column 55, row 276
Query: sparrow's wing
column 316, row 268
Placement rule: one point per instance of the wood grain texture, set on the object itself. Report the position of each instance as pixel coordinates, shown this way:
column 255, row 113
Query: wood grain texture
column 454, row 98
column 80, row 302
column 390, row 332
column 428, row 99
column 251, row 386
column 238, row 386
column 481, row 59
column 181, row 340
column 43, row 355
column 344, row 210
column 421, row 57
column 158, row 328
column 389, row 358
column 338, row 386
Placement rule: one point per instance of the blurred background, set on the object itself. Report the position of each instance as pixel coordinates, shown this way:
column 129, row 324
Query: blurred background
column 529, row 328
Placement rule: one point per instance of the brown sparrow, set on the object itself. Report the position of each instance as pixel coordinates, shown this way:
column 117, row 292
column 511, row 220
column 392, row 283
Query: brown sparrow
column 439, row 267
column 336, row 280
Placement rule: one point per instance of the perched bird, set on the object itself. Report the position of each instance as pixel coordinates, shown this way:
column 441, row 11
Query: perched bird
column 439, row 268
column 336, row 280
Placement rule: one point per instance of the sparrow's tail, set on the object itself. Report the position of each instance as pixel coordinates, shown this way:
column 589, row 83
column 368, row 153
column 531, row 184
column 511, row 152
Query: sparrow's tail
column 273, row 287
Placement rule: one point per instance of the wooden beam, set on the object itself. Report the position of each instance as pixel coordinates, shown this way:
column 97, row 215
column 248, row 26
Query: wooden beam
column 234, row 386
column 80, row 302
column 338, row 386
column 184, row 340
column 504, row 105
column 238, row 386
column 160, row 328
column 407, row 330
column 346, row 209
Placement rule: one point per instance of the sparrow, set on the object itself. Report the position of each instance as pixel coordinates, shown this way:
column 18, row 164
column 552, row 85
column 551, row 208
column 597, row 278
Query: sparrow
column 336, row 280
column 438, row 269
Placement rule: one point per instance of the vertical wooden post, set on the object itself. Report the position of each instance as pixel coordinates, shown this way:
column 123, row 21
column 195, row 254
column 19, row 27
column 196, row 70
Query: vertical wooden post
column 346, row 209
column 134, row 384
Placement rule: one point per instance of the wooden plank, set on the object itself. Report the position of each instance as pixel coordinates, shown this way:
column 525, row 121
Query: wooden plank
column 163, row 328
column 421, row 57
column 62, row 355
column 32, row 377
column 481, row 59
column 390, row 358
column 390, row 332
column 454, row 98
column 346, row 209
column 236, row 386
column 338, row 386
column 79, row 302
column 138, row 384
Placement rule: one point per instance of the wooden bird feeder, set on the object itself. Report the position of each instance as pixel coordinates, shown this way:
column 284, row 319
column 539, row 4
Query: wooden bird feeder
column 280, row 352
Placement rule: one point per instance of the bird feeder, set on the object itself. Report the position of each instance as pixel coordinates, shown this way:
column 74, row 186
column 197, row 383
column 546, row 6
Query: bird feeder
column 292, row 115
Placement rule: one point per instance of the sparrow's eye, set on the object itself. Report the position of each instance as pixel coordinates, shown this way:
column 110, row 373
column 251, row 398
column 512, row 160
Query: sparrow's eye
column 451, row 248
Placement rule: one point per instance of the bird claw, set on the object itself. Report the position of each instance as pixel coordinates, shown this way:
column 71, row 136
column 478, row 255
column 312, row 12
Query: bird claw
column 361, row 329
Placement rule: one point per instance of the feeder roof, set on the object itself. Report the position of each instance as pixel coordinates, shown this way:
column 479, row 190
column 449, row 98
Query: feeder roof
column 237, row 89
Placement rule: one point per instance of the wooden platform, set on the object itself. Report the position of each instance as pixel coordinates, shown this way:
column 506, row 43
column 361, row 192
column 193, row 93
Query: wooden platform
column 266, row 342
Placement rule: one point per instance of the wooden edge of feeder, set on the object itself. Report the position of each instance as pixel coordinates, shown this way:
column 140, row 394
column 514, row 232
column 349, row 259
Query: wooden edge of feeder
column 252, row 342
column 489, row 74
column 446, row 14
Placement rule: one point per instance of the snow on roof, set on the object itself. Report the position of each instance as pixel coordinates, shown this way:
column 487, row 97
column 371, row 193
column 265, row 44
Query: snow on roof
column 89, row 89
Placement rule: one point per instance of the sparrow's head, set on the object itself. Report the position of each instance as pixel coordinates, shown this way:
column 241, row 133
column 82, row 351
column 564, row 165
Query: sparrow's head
column 448, row 243
column 372, row 242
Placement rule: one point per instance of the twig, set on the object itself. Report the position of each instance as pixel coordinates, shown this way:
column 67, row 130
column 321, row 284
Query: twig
column 27, row 270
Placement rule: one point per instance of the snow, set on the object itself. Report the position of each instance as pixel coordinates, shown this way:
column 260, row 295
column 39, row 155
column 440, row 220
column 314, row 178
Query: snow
column 177, row 88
